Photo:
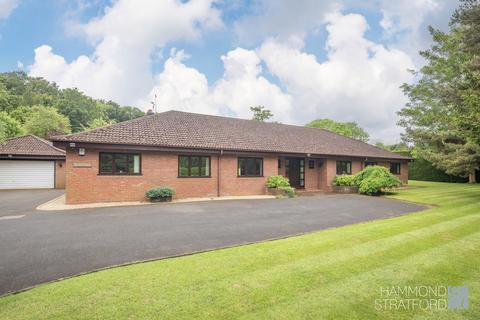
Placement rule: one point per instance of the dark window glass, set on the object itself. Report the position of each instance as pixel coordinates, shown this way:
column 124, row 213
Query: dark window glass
column 302, row 172
column 250, row 167
column 193, row 166
column 183, row 166
column 204, row 166
column 119, row 163
column 106, row 163
column 344, row 167
column 395, row 168
column 279, row 164
column 370, row 163
column 258, row 167
column 311, row 164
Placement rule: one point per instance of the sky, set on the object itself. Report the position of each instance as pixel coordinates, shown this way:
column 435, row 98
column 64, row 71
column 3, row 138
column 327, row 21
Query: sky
column 302, row 59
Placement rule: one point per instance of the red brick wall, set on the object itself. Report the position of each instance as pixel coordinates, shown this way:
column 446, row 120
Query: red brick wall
column 312, row 175
column 59, row 174
column 84, row 185
column 231, row 184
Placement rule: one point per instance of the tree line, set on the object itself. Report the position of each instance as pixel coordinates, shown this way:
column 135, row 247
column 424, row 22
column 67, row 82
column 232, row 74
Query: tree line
column 37, row 106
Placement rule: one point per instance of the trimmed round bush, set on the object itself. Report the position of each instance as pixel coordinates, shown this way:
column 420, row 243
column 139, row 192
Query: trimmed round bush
column 374, row 180
column 277, row 182
column 344, row 180
column 160, row 192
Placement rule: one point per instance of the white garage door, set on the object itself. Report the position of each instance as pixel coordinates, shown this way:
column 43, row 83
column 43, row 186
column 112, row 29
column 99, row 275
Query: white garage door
column 19, row 174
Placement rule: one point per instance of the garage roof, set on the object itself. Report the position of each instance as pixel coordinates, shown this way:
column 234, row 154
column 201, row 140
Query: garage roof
column 30, row 146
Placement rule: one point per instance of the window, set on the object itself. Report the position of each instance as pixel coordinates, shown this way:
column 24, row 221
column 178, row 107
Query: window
column 302, row 172
column 119, row 163
column 369, row 163
column 395, row 168
column 344, row 167
column 193, row 166
column 279, row 163
column 250, row 167
column 311, row 164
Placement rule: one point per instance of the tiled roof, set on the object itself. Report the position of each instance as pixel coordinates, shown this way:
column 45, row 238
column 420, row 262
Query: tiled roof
column 30, row 145
column 190, row 130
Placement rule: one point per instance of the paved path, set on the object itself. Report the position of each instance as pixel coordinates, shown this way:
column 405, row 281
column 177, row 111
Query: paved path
column 42, row 246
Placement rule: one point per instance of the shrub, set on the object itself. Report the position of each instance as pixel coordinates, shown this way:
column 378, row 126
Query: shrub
column 344, row 180
column 277, row 182
column 375, row 179
column 159, row 192
column 289, row 191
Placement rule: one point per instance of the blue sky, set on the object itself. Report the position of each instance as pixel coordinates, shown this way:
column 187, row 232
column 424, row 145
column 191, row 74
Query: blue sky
column 301, row 59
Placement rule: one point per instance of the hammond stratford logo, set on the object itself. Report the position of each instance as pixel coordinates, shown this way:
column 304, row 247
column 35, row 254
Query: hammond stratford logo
column 422, row 298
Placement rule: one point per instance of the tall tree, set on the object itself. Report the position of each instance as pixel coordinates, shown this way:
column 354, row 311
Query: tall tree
column 19, row 93
column 443, row 115
column 79, row 108
column 98, row 123
column 348, row 129
column 260, row 113
column 9, row 127
column 47, row 121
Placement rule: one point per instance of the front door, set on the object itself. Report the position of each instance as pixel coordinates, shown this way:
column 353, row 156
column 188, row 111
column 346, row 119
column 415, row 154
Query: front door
column 296, row 172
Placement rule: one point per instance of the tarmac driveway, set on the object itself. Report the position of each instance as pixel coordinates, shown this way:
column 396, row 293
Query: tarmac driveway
column 43, row 246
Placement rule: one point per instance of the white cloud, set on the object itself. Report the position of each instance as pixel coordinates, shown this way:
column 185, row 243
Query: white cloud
column 20, row 65
column 359, row 81
column 406, row 15
column 124, row 38
column 7, row 7
column 240, row 87
column 282, row 19
column 405, row 23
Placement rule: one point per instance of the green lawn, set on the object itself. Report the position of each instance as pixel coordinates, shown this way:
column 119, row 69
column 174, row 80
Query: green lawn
column 332, row 274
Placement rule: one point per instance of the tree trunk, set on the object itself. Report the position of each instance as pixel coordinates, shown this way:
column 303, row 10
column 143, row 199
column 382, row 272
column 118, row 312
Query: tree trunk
column 472, row 178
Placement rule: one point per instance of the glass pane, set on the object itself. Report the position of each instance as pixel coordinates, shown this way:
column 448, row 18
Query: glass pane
column 136, row 163
column 106, row 165
column 241, row 167
column 183, row 171
column 195, row 166
column 349, row 167
column 205, row 166
column 250, row 167
column 121, row 163
column 258, row 167
column 133, row 163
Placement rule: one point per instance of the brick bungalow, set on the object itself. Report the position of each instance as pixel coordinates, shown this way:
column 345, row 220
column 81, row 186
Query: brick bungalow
column 201, row 155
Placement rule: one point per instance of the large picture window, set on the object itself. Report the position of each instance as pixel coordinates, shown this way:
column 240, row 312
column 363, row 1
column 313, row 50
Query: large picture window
column 344, row 167
column 119, row 163
column 395, row 168
column 194, row 166
column 250, row 167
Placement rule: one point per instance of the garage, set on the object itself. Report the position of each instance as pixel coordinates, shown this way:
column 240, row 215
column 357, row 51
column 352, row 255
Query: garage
column 25, row 174
column 29, row 162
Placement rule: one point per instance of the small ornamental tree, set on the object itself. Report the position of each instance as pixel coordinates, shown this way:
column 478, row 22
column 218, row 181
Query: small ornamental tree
column 374, row 180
